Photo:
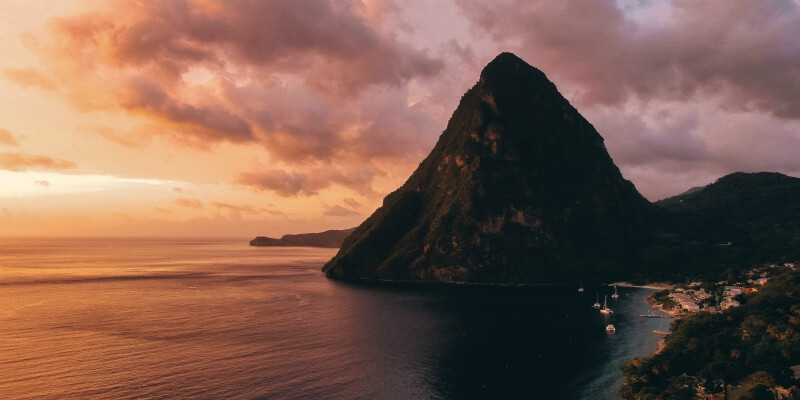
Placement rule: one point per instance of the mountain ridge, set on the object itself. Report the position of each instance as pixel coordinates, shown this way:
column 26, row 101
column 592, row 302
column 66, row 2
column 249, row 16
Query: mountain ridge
column 740, row 220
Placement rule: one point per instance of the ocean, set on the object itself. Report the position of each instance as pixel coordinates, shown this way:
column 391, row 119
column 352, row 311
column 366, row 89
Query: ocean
column 218, row 319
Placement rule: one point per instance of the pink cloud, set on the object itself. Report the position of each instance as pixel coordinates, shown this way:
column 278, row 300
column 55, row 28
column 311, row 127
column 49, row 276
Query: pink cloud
column 144, row 96
column 188, row 203
column 24, row 162
column 30, row 77
column 235, row 211
column 313, row 82
column 309, row 182
column 664, row 81
column 8, row 139
column 742, row 53
column 336, row 92
column 339, row 211
column 352, row 203
column 132, row 140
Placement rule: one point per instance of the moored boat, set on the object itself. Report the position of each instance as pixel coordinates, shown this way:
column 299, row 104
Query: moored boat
column 605, row 309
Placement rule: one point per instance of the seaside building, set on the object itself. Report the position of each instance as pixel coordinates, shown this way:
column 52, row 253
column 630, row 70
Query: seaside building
column 701, row 295
column 686, row 302
column 728, row 302
column 731, row 291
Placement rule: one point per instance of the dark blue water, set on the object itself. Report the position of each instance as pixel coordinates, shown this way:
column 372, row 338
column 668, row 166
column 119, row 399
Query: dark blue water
column 215, row 319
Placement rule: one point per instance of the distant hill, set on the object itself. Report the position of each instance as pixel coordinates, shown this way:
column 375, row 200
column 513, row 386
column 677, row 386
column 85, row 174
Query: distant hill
column 740, row 220
column 518, row 189
column 331, row 238
column 692, row 190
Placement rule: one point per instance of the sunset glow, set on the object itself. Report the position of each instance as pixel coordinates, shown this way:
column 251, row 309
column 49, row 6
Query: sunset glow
column 241, row 118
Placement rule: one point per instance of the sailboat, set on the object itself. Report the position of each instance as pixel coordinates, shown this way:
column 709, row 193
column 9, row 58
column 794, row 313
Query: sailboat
column 597, row 302
column 615, row 295
column 605, row 309
column 580, row 289
column 610, row 328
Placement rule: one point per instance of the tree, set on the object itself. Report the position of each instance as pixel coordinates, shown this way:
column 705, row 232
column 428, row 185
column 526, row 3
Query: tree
column 683, row 387
column 719, row 375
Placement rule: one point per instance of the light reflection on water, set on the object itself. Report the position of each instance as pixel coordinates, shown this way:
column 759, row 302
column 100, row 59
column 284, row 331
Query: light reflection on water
column 211, row 319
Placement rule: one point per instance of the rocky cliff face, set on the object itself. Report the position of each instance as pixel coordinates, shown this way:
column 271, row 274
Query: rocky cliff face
column 518, row 189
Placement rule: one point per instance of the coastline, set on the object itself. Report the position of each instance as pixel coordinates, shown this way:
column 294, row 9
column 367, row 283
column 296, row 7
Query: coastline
column 671, row 313
column 653, row 286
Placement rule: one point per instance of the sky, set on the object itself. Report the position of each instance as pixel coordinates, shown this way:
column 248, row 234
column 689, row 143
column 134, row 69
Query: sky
column 239, row 118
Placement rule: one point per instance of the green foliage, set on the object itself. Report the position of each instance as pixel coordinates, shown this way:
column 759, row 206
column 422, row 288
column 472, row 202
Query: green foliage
column 662, row 297
column 682, row 387
column 753, row 345
column 739, row 221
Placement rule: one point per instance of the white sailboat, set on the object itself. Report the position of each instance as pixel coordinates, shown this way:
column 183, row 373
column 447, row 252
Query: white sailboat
column 615, row 295
column 597, row 302
column 605, row 309
column 610, row 328
column 580, row 289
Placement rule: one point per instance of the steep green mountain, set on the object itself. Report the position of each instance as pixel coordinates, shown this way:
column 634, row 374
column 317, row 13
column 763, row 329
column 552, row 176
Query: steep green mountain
column 740, row 220
column 518, row 189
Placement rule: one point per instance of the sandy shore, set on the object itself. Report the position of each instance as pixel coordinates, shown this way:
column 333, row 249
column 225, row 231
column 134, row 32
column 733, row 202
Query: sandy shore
column 661, row 344
column 652, row 286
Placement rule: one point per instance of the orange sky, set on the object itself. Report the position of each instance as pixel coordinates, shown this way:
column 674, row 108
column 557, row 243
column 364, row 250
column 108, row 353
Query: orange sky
column 239, row 118
column 85, row 151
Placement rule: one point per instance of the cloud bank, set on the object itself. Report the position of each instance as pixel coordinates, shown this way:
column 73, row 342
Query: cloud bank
column 337, row 93
column 313, row 82
column 683, row 91
column 23, row 162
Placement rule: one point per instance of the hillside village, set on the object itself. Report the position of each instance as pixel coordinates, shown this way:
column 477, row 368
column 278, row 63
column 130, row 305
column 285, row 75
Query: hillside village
column 734, row 339
column 713, row 297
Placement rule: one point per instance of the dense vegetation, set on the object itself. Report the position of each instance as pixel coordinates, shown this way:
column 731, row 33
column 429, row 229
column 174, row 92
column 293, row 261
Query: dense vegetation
column 744, row 352
column 739, row 221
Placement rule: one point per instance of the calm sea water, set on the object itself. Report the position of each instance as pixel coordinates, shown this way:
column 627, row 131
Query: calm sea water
column 217, row 319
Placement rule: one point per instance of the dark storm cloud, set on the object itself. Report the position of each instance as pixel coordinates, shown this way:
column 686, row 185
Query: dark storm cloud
column 745, row 54
column 664, row 81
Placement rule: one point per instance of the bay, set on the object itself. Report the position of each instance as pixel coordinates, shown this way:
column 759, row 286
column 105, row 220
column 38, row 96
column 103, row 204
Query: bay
column 215, row 318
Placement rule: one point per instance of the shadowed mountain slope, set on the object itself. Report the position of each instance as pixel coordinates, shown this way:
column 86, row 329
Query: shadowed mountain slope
column 518, row 189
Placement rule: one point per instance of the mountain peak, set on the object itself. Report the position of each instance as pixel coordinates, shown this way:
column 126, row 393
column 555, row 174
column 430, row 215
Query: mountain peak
column 519, row 188
column 507, row 61
column 507, row 67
